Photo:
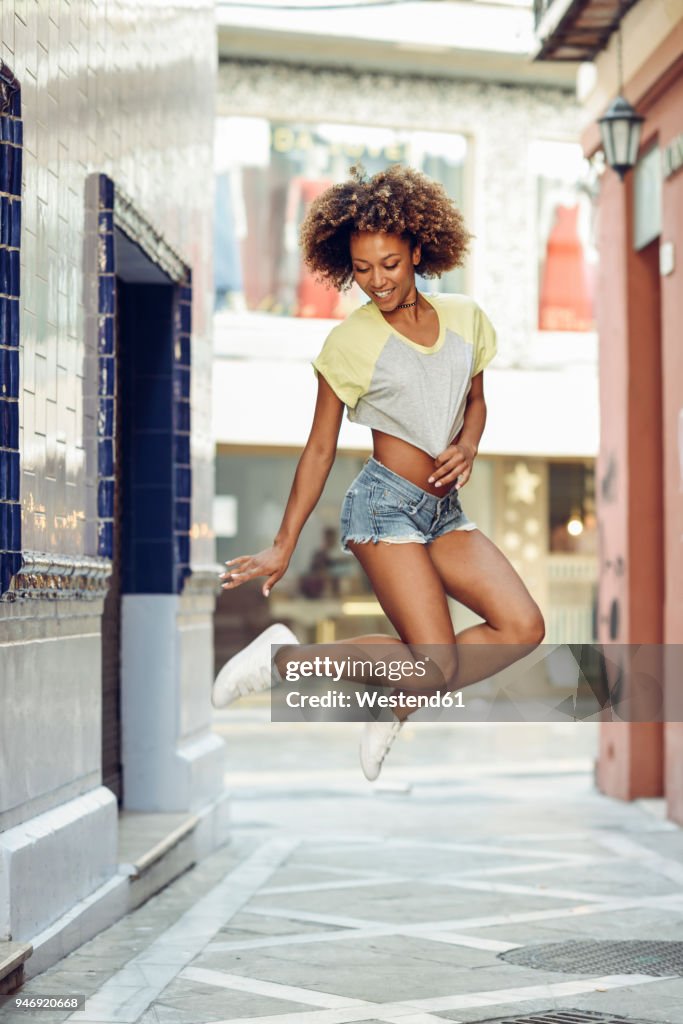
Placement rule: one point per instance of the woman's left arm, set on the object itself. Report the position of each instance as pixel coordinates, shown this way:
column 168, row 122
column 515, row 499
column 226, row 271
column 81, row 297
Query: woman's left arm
column 456, row 461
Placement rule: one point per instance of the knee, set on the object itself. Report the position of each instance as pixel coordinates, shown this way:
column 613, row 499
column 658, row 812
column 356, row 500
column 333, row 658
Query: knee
column 528, row 628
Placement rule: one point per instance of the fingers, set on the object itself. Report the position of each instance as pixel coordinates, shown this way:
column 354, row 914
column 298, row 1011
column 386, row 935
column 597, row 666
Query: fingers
column 270, row 583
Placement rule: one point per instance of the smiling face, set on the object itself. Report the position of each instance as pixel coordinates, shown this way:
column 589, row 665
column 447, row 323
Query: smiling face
column 384, row 267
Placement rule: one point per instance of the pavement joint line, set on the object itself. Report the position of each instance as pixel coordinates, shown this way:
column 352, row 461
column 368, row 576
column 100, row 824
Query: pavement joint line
column 128, row 993
column 276, row 990
column 669, row 902
column 351, row 883
column 553, row 990
column 518, row 890
column 455, row 847
column 399, row 1013
column 356, row 935
column 631, row 850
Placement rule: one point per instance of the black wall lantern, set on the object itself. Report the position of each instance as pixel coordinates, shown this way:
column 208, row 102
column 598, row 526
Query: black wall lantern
column 620, row 130
column 620, row 126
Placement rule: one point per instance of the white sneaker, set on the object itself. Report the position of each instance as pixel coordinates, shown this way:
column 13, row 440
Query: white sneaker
column 375, row 743
column 251, row 669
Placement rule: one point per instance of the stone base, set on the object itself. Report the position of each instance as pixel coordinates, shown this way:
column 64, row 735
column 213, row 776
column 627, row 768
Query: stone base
column 124, row 892
column 53, row 860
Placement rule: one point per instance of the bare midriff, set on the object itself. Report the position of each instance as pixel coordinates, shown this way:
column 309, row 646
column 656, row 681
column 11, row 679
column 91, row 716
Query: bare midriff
column 411, row 463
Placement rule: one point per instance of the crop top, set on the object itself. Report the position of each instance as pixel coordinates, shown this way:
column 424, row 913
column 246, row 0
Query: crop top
column 408, row 390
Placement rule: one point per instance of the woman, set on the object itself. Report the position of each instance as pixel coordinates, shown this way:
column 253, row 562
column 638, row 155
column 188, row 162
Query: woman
column 410, row 368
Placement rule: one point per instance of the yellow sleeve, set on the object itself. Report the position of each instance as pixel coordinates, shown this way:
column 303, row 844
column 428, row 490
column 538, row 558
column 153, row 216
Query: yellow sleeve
column 485, row 341
column 339, row 370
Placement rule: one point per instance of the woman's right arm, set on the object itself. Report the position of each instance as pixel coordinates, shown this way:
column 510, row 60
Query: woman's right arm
column 312, row 471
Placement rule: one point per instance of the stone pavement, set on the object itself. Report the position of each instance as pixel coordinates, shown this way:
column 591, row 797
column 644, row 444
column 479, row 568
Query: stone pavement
column 340, row 900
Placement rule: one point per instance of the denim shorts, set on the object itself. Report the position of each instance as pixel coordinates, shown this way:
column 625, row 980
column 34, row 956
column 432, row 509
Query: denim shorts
column 381, row 505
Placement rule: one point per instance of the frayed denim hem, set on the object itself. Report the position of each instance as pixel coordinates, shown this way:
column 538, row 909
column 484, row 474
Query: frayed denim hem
column 415, row 538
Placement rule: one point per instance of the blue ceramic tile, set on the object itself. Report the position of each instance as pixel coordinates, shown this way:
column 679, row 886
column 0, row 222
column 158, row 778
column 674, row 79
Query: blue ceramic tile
column 183, row 482
column 107, row 294
column 182, row 417
column 185, row 317
column 105, row 220
column 5, row 476
column 6, row 132
column 105, row 243
column 105, row 499
column 5, row 225
column 105, row 538
column 106, row 193
column 152, row 407
column 6, row 152
column 182, row 449
column 182, row 548
column 5, row 271
column 5, row 507
column 9, row 373
column 9, row 424
column 18, row 132
column 152, row 462
column 185, row 294
column 151, row 569
column 182, row 383
column 185, row 350
column 5, row 572
column 12, row 336
column 105, row 457
column 15, row 186
column 14, row 526
column 105, row 335
column 105, row 418
column 15, row 218
column 152, row 512
column 107, row 383
column 13, row 272
column 183, row 516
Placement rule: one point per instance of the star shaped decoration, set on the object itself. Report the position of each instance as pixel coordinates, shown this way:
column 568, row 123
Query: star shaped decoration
column 522, row 484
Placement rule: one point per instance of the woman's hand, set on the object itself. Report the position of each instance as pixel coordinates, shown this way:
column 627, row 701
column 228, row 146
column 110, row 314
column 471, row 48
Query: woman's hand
column 272, row 562
column 455, row 463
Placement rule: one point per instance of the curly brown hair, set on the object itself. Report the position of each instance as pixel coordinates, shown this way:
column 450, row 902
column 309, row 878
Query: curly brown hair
column 398, row 201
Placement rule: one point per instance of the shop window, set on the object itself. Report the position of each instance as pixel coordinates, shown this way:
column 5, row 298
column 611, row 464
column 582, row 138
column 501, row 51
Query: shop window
column 573, row 525
column 268, row 173
column 567, row 256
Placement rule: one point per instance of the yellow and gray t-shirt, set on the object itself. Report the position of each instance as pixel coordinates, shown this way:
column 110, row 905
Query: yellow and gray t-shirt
column 399, row 387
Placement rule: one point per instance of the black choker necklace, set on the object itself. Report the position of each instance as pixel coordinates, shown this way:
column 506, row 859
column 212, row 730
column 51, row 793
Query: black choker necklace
column 407, row 305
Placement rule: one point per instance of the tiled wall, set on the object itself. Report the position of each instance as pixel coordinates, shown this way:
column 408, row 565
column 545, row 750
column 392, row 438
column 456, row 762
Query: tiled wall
column 500, row 121
column 10, row 238
column 124, row 89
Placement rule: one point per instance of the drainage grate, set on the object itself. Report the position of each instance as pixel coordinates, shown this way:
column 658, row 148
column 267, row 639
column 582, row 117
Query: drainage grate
column 567, row 1017
column 593, row 956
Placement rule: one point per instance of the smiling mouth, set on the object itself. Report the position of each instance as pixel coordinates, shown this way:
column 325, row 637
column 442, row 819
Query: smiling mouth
column 383, row 295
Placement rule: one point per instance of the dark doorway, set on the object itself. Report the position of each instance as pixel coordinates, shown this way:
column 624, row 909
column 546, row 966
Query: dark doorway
column 143, row 556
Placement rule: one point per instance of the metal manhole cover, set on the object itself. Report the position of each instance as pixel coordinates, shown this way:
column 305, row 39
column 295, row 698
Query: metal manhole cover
column 567, row 1017
column 595, row 956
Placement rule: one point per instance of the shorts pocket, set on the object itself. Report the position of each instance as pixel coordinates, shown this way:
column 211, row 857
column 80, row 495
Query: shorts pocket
column 385, row 501
column 345, row 512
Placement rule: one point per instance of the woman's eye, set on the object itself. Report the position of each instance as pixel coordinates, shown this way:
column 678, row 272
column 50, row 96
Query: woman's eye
column 392, row 267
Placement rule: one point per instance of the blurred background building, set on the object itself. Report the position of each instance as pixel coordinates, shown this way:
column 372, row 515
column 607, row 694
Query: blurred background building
column 448, row 88
column 107, row 758
column 640, row 474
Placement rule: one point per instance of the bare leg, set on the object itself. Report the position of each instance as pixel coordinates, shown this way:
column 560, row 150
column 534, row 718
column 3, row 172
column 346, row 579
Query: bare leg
column 476, row 573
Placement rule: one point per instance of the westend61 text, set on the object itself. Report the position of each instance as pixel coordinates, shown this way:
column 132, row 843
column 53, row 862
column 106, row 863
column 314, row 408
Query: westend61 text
column 337, row 699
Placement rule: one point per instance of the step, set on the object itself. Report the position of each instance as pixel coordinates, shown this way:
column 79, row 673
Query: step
column 145, row 839
column 13, row 955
